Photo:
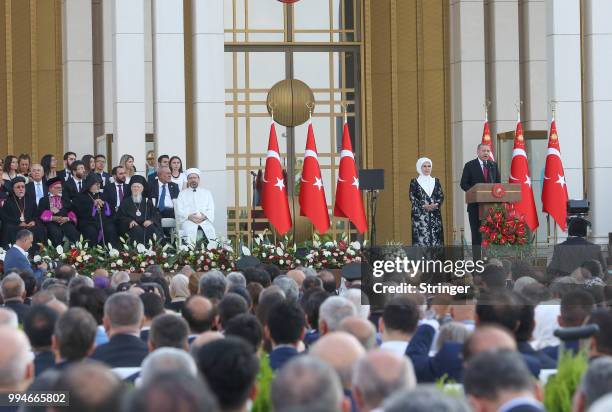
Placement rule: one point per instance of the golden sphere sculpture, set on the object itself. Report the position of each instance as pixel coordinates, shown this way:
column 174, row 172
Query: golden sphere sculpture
column 289, row 101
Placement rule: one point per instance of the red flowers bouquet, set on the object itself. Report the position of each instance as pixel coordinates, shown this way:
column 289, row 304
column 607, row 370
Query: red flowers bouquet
column 504, row 226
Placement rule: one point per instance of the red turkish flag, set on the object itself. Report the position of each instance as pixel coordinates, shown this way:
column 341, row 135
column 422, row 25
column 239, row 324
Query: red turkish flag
column 554, row 190
column 486, row 137
column 349, row 203
column 312, row 194
column 274, row 194
column 519, row 173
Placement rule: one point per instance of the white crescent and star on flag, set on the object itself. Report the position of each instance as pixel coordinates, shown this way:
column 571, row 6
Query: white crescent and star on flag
column 516, row 153
column 560, row 178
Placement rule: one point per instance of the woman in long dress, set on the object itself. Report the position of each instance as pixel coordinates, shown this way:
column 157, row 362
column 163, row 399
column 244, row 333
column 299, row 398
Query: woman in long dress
column 426, row 196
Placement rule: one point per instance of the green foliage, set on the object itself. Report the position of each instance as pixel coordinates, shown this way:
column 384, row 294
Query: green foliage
column 264, row 379
column 560, row 388
column 449, row 387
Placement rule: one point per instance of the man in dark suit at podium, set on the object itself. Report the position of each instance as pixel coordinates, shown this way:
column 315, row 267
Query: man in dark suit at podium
column 480, row 170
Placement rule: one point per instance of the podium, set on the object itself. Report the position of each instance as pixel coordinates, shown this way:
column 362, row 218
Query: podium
column 486, row 197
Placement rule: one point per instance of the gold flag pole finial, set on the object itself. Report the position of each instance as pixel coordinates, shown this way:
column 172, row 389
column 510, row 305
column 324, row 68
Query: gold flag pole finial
column 553, row 107
column 271, row 107
column 310, row 106
column 486, row 105
column 345, row 111
column 518, row 107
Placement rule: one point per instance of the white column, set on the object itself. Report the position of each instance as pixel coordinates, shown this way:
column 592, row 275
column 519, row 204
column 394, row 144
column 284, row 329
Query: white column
column 107, row 52
column 468, row 94
column 564, row 85
column 209, row 103
column 503, row 65
column 78, row 76
column 169, row 77
column 533, row 65
column 148, row 42
column 129, row 85
column 598, row 97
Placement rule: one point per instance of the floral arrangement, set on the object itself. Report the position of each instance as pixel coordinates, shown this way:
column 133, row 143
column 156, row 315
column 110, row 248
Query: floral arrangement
column 82, row 257
column 332, row 254
column 281, row 253
column 504, row 225
column 204, row 257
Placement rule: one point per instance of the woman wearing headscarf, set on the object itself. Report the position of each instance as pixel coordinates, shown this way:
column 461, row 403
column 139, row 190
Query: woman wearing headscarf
column 426, row 196
column 179, row 291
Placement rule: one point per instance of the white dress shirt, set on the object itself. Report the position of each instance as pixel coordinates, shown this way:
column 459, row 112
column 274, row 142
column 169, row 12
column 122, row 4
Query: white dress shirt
column 168, row 199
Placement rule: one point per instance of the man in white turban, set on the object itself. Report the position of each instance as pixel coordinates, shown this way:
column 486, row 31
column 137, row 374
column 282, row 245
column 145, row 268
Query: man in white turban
column 195, row 210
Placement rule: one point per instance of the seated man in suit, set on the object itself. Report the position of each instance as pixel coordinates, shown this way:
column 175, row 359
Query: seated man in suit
column 576, row 250
column 125, row 351
column 285, row 329
column 480, row 170
column 13, row 293
column 74, row 184
column 163, row 191
column 36, row 187
column 500, row 381
column 17, row 256
column 19, row 212
column 115, row 192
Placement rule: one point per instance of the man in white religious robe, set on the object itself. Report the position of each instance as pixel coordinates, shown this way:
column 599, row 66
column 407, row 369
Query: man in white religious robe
column 195, row 209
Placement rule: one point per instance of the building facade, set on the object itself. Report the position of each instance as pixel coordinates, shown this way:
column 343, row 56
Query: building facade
column 190, row 78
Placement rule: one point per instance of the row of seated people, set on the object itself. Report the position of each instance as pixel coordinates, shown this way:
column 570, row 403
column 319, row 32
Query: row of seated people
column 54, row 210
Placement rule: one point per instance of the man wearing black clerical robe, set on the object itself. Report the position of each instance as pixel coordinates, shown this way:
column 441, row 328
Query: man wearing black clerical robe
column 94, row 215
column 19, row 212
column 137, row 218
column 56, row 214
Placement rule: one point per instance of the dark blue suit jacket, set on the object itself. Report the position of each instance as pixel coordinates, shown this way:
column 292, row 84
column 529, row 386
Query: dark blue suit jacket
column 43, row 361
column 553, row 351
column 279, row 356
column 14, row 259
column 110, row 194
column 448, row 361
column 545, row 362
column 154, row 190
column 122, row 351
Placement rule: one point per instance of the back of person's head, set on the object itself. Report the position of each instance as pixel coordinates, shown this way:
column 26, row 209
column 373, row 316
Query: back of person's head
column 603, row 339
column 12, row 287
column 169, row 331
column 332, row 311
column 424, row 399
column 16, row 367
column 90, row 299
column 493, row 277
column 247, row 327
column 286, row 323
column 243, row 292
column 65, row 272
column 75, row 334
column 578, row 226
column 455, row 332
column 521, row 268
column 29, row 282
column 79, row 281
column 401, row 314
column 8, row 317
column 268, row 298
column 593, row 266
column 489, row 374
column 596, row 382
column 153, row 305
column 230, row 306
column 486, row 338
column 230, row 367
column 360, row 328
column 576, row 306
column 213, row 285
column 199, row 313
column 340, row 350
column 288, row 286
column 175, row 391
column 257, row 275
column 306, row 383
column 167, row 360
column 329, row 281
column 526, row 325
column 39, row 324
column 311, row 282
column 60, row 291
column 124, row 310
column 312, row 301
column 119, row 278
column 272, row 270
column 92, row 387
column 500, row 308
column 236, row 279
column 380, row 373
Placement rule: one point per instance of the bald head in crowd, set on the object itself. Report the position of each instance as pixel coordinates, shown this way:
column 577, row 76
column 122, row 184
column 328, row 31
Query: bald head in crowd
column 8, row 318
column 297, row 275
column 377, row 375
column 360, row 328
column 199, row 314
column 341, row 351
column 488, row 338
column 16, row 360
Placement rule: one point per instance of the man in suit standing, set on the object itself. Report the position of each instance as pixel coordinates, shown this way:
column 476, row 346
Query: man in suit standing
column 115, row 192
column 480, row 170
column 69, row 158
column 100, row 170
column 125, row 351
column 36, row 187
column 163, row 191
column 74, row 183
column 17, row 256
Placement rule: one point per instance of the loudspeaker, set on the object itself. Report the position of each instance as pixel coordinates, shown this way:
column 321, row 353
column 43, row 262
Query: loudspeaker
column 578, row 206
column 372, row 179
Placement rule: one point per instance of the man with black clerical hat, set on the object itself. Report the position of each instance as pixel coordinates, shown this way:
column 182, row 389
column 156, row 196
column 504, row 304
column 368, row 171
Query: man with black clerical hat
column 94, row 215
column 55, row 211
column 137, row 217
column 19, row 212
column 576, row 250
